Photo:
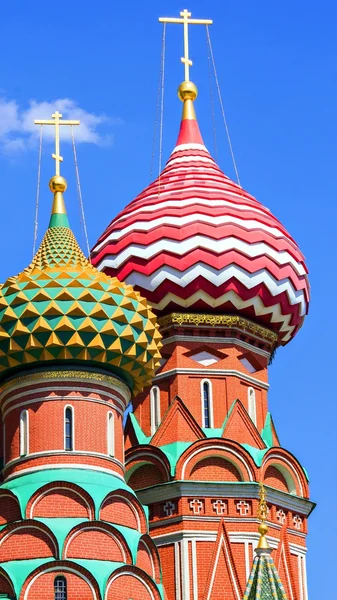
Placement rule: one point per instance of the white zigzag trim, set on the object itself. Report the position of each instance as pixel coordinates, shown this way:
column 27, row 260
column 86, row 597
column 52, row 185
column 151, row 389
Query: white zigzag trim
column 180, row 247
column 217, row 278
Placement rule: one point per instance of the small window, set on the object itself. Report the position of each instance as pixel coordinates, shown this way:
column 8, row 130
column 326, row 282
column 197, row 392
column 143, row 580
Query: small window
column 252, row 404
column 206, row 402
column 111, row 434
column 24, row 433
column 60, row 588
column 68, row 429
column 155, row 408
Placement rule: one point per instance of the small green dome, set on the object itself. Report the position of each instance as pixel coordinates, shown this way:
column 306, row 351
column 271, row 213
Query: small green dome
column 61, row 309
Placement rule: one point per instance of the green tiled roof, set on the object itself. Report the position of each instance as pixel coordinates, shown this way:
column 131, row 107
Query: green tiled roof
column 264, row 582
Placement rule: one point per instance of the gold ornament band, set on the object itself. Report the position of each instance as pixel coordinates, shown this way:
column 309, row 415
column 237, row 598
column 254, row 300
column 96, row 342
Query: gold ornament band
column 230, row 321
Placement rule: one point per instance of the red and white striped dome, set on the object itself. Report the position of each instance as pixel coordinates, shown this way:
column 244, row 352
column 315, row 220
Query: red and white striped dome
column 194, row 240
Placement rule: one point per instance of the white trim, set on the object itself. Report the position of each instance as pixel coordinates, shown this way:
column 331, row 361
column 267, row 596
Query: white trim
column 247, row 558
column 223, row 543
column 194, row 569
column 177, row 570
column 127, row 501
column 251, row 403
column 300, row 576
column 63, row 452
column 149, row 553
column 212, row 372
column 174, row 489
column 110, row 434
column 63, row 466
column 24, row 433
column 109, row 387
column 155, row 412
column 146, row 454
column 222, row 450
column 185, row 570
column 93, row 528
column 210, row 402
column 64, row 569
column 285, row 474
column 72, row 423
column 126, row 572
column 227, row 341
column 23, row 525
column 59, row 487
column 120, row 409
column 305, row 578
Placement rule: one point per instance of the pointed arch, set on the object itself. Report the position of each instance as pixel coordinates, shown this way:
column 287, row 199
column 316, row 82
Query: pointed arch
column 252, row 404
column 206, row 393
column 24, row 432
column 155, row 408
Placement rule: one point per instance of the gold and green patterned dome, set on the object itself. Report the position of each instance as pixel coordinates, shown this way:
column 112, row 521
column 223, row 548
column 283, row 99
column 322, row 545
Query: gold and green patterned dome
column 61, row 309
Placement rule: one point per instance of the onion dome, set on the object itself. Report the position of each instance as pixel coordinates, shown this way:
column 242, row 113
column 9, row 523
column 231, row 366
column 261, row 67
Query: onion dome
column 195, row 241
column 61, row 309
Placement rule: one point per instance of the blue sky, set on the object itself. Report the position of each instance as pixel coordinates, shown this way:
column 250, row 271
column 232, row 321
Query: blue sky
column 277, row 66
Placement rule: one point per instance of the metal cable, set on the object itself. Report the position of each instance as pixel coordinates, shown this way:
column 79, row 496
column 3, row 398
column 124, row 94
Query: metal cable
column 157, row 104
column 79, row 193
column 162, row 101
column 222, row 107
column 37, row 192
column 212, row 99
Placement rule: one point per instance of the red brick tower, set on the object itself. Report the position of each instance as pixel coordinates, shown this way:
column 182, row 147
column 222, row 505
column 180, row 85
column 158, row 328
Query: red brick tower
column 229, row 285
column 74, row 344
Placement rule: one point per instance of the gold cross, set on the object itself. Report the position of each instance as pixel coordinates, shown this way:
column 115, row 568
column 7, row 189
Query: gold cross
column 56, row 122
column 186, row 21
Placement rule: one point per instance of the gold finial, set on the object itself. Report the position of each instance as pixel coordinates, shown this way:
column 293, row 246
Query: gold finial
column 262, row 513
column 56, row 121
column 186, row 21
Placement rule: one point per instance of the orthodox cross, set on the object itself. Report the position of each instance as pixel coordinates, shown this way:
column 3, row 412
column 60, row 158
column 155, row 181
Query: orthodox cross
column 243, row 507
column 56, row 121
column 186, row 21
column 169, row 508
column 196, row 506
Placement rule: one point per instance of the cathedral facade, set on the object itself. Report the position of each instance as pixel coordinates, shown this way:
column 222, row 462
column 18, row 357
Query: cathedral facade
column 189, row 292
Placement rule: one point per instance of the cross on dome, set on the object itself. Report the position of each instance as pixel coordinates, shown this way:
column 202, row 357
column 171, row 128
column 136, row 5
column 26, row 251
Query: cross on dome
column 186, row 21
column 56, row 121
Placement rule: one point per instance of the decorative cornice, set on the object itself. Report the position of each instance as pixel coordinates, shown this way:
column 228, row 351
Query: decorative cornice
column 213, row 372
column 203, row 339
column 176, row 489
column 65, row 375
column 225, row 321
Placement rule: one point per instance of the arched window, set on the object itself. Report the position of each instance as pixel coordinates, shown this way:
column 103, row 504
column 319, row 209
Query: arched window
column 252, row 404
column 68, row 429
column 111, row 434
column 60, row 588
column 24, row 433
column 155, row 408
column 206, row 403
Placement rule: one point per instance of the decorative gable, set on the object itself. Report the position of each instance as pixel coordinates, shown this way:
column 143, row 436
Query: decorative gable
column 240, row 427
column 178, row 424
column 222, row 574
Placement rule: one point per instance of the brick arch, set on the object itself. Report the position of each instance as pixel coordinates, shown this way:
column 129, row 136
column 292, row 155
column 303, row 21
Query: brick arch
column 122, row 508
column 222, row 460
column 96, row 541
column 146, row 467
column 289, row 469
column 61, row 499
column 80, row 582
column 215, row 468
column 9, row 508
column 148, row 558
column 6, row 586
column 275, row 478
column 131, row 582
column 26, row 540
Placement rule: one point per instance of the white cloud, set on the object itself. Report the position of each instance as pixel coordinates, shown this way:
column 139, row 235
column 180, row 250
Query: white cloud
column 18, row 131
